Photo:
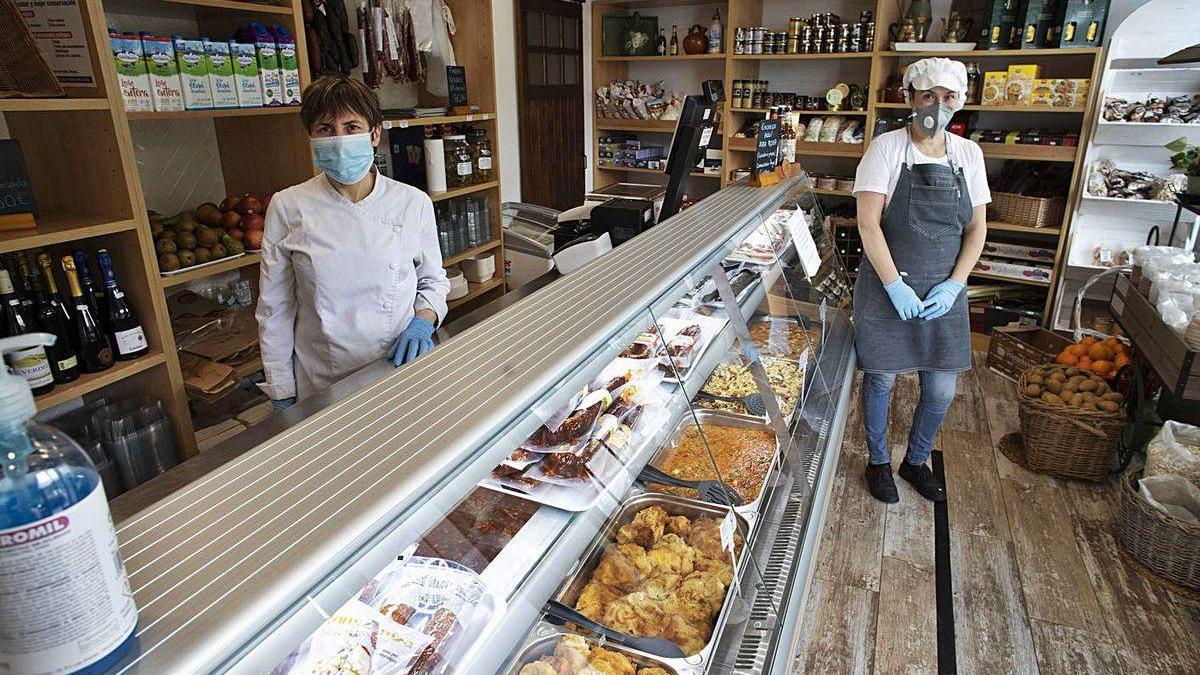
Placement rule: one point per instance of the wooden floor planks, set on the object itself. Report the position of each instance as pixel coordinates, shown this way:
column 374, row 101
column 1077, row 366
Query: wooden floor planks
column 1038, row 582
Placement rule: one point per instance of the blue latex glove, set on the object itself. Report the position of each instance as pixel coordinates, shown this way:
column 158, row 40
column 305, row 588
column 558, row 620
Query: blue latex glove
column 413, row 342
column 904, row 299
column 940, row 299
column 283, row 403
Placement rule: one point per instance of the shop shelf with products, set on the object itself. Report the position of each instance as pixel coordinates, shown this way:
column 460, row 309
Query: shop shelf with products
column 1120, row 134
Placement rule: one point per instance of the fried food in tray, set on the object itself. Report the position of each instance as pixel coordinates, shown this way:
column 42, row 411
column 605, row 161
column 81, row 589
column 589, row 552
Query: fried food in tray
column 737, row 455
column 577, row 655
column 783, row 337
column 475, row 532
column 665, row 576
column 734, row 379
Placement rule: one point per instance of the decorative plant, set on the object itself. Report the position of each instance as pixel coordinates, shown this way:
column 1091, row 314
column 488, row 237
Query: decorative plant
column 1186, row 158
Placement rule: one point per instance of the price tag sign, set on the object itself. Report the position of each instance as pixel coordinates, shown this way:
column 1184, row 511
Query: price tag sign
column 456, row 81
column 766, row 152
column 706, row 136
column 822, row 309
column 728, row 529
column 806, row 246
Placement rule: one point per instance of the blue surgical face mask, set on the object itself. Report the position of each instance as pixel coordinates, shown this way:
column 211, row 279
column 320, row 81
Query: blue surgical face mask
column 345, row 159
column 932, row 119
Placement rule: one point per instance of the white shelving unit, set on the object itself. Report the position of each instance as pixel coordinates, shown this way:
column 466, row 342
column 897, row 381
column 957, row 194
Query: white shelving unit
column 1130, row 71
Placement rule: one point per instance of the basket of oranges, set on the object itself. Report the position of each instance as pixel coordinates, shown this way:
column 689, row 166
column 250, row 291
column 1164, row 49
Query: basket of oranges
column 1099, row 357
column 1071, row 421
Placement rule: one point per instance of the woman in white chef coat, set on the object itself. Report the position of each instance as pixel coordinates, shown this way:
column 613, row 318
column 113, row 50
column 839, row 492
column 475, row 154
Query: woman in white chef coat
column 351, row 269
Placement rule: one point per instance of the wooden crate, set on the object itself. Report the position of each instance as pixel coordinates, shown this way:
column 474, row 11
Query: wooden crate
column 1163, row 348
column 1014, row 349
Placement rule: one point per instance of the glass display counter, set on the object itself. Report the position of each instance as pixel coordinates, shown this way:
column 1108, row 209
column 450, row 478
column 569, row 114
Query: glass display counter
column 627, row 469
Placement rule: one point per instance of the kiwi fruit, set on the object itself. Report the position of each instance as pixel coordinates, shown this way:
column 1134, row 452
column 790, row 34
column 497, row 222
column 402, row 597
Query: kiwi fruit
column 1054, row 386
column 164, row 246
column 156, row 229
column 1109, row 406
column 203, row 255
column 218, row 251
column 1076, row 401
column 1087, row 385
column 1072, row 371
column 186, row 241
column 1035, row 379
column 168, row 262
column 1101, row 387
column 235, row 247
column 1033, row 391
column 208, row 237
column 1068, row 390
column 1089, row 405
column 1051, row 398
column 168, row 233
column 1058, row 373
column 1113, row 396
column 187, row 258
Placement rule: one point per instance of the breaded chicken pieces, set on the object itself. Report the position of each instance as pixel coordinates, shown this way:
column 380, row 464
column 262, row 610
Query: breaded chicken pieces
column 671, row 555
column 594, row 599
column 646, row 528
column 610, row 663
column 636, row 614
column 624, row 567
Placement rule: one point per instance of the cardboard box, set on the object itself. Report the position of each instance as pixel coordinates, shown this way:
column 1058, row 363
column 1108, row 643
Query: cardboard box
column 1019, row 88
column 1081, row 23
column 1043, row 92
column 1039, row 23
column 132, row 75
column 289, row 72
column 269, row 75
column 245, row 74
column 165, row 89
column 994, row 84
column 220, row 74
column 1033, row 253
column 998, row 21
column 193, row 73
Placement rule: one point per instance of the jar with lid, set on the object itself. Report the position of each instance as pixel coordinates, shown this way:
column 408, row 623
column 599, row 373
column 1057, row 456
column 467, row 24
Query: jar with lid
column 481, row 153
column 460, row 166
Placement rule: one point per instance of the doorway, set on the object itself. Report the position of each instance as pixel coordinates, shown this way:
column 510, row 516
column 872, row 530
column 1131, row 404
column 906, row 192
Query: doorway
column 550, row 104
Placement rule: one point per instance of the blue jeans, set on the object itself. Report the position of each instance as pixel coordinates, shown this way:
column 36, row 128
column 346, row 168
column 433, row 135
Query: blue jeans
column 937, row 393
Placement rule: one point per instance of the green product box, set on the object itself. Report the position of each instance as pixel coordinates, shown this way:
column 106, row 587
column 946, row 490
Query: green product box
column 998, row 21
column 1039, row 24
column 1082, row 23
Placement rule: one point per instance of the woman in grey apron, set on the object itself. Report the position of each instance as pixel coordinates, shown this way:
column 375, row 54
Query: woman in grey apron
column 924, row 244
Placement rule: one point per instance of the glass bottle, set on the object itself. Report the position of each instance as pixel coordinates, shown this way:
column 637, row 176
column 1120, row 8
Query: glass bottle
column 481, row 150
column 49, row 319
column 714, row 33
column 95, row 354
column 460, row 169
column 31, row 363
column 973, row 78
column 674, row 49
column 662, row 42
column 124, row 327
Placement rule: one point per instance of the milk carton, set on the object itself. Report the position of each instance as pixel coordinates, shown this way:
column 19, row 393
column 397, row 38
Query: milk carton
column 193, row 73
column 268, row 72
column 165, row 88
column 289, row 71
column 131, row 70
column 220, row 74
column 245, row 74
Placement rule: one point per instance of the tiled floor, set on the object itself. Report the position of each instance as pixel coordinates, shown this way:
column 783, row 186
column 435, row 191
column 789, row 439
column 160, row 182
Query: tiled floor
column 1038, row 582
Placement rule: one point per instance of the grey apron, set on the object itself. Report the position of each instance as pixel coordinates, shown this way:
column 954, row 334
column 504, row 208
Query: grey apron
column 923, row 226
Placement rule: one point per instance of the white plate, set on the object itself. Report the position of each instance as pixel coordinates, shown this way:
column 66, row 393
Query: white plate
column 210, row 263
column 933, row 46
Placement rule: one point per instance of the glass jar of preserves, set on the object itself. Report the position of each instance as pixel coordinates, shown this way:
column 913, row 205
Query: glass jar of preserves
column 481, row 152
column 460, row 167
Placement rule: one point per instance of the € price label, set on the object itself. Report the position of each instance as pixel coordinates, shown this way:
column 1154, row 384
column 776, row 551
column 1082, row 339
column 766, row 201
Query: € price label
column 766, row 150
column 728, row 529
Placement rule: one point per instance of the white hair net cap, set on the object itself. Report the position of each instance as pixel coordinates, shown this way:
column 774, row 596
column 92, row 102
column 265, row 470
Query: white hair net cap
column 937, row 72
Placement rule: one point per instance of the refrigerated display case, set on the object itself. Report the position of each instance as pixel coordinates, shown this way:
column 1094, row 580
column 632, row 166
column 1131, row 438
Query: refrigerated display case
column 494, row 507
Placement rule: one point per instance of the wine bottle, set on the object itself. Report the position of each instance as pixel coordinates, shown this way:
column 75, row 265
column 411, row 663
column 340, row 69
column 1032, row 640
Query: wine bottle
column 93, row 293
column 95, row 354
column 127, row 333
column 56, row 299
column 46, row 316
column 21, row 282
column 31, row 364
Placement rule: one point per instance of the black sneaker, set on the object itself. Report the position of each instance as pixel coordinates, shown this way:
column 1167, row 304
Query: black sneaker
column 922, row 479
column 881, row 484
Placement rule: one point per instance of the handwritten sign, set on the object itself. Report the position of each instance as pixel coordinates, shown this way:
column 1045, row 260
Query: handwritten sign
column 16, row 194
column 766, row 152
column 456, row 80
column 806, row 246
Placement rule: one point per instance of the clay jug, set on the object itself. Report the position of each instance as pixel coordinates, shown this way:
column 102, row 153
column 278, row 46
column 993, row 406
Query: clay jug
column 696, row 41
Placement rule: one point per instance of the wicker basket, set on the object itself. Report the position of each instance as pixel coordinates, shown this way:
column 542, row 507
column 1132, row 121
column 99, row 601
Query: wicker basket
column 1166, row 545
column 1067, row 442
column 1014, row 349
column 1007, row 207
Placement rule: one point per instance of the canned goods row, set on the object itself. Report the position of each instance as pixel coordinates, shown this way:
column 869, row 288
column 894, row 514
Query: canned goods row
column 821, row 34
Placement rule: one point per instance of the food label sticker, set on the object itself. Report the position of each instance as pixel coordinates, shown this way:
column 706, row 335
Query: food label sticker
column 706, row 136
column 821, row 310
column 806, row 247
column 728, row 529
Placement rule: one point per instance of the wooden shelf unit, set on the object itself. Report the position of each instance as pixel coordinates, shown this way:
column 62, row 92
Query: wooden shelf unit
column 872, row 70
column 79, row 153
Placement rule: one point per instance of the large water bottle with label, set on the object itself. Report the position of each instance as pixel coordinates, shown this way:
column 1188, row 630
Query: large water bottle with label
column 65, row 602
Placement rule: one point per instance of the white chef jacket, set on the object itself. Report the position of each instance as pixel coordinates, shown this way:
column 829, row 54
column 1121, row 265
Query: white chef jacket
column 340, row 280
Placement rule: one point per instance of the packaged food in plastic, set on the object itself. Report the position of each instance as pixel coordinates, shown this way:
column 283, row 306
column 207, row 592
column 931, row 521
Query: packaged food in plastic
column 813, row 133
column 355, row 641
column 1175, row 451
column 1173, row 495
column 829, row 129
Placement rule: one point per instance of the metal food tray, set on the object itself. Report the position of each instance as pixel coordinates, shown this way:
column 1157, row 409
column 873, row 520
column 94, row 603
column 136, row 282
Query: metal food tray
column 545, row 637
column 788, row 417
column 210, row 263
column 569, row 592
column 770, row 318
column 751, row 508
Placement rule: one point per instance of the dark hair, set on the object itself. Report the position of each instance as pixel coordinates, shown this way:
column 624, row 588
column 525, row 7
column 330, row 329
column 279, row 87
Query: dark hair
column 331, row 95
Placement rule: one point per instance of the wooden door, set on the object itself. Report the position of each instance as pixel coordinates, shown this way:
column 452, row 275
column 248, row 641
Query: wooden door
column 550, row 67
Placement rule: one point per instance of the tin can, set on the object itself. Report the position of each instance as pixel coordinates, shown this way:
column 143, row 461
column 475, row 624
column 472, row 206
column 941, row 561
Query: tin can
column 830, row 46
column 806, row 39
column 780, row 43
column 795, row 24
column 739, row 41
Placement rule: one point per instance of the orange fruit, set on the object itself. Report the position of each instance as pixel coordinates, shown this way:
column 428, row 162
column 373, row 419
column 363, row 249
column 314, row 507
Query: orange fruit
column 1121, row 361
column 1087, row 342
column 1066, row 358
column 1099, row 352
column 1077, row 350
column 1102, row 368
column 1085, row 362
column 1112, row 342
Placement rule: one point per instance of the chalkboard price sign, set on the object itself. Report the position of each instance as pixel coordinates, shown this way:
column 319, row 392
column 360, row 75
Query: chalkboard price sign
column 456, row 79
column 16, row 194
column 766, row 152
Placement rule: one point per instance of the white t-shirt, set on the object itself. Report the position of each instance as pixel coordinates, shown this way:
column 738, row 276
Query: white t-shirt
column 879, row 169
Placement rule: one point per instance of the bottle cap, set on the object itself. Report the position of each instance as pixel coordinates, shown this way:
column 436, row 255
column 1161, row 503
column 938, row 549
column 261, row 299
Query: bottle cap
column 16, row 399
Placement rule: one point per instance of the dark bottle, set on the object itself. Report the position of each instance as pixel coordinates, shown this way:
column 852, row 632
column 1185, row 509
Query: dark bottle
column 126, row 331
column 95, row 354
column 49, row 319
column 93, row 293
column 21, row 282
column 31, row 364
column 57, row 300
